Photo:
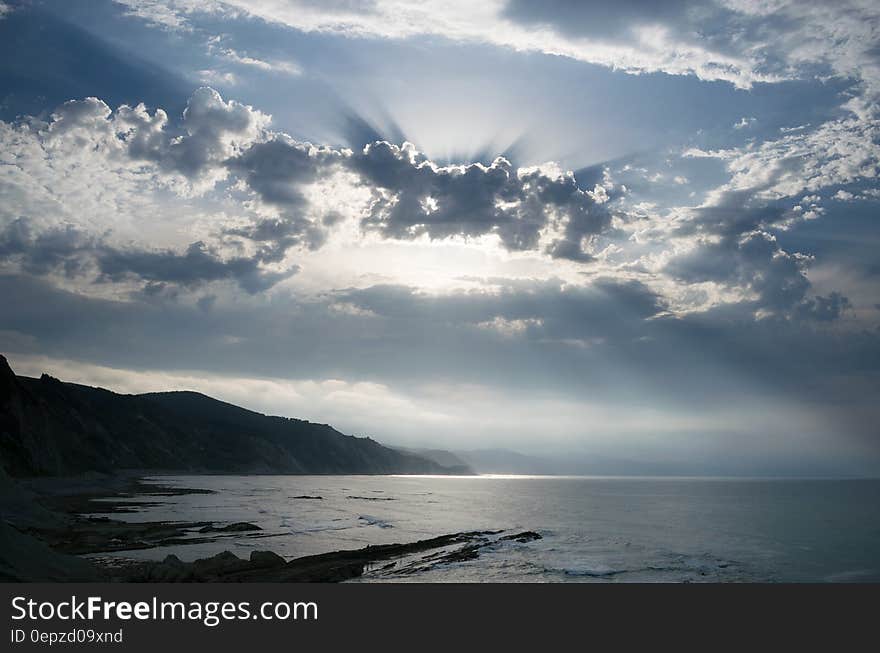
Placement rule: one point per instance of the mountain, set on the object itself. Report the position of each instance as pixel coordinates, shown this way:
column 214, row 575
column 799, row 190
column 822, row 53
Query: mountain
column 48, row 427
column 497, row 461
column 444, row 458
column 504, row 461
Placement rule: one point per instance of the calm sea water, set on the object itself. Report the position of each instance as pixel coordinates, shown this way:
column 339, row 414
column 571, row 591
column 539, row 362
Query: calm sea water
column 594, row 529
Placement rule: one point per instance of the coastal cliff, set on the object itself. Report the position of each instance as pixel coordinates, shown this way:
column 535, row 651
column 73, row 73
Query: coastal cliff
column 52, row 428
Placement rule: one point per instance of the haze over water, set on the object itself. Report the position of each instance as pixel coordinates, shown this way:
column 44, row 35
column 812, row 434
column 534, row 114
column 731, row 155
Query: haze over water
column 593, row 528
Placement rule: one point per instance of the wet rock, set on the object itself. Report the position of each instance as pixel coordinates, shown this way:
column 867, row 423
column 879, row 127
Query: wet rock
column 465, row 553
column 525, row 536
column 219, row 565
column 266, row 559
column 24, row 558
column 332, row 567
column 171, row 570
column 350, row 496
column 98, row 536
column 237, row 527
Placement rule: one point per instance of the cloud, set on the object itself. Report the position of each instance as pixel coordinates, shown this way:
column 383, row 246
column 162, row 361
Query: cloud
column 741, row 42
column 538, row 208
column 415, row 197
column 824, row 309
column 755, row 261
column 210, row 243
column 599, row 20
column 197, row 265
column 127, row 158
column 839, row 152
column 164, row 14
column 215, row 130
column 76, row 254
column 277, row 171
column 211, row 131
column 608, row 344
column 218, row 78
column 271, row 177
column 497, row 23
column 546, row 311
column 772, row 189
column 745, row 122
column 728, row 240
column 43, row 253
column 230, row 54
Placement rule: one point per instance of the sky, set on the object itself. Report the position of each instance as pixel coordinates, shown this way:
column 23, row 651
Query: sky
column 632, row 231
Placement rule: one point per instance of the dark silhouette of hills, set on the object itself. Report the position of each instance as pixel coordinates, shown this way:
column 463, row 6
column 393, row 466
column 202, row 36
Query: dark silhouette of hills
column 48, row 427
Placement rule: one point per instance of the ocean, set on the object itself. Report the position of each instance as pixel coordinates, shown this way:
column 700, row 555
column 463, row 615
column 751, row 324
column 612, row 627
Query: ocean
column 593, row 529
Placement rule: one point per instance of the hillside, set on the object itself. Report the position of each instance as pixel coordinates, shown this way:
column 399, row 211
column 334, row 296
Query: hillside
column 48, row 427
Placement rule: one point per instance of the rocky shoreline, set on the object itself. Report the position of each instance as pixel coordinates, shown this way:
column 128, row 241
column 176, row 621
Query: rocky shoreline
column 332, row 567
column 44, row 534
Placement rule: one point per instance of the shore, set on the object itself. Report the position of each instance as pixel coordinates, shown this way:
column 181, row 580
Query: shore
column 44, row 535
